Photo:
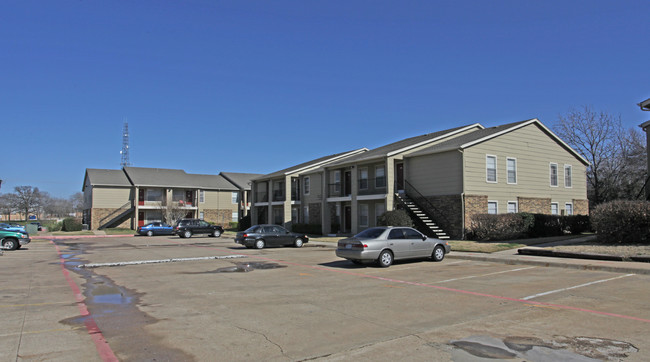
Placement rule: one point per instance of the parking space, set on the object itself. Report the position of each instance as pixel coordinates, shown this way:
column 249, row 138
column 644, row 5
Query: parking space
column 297, row 304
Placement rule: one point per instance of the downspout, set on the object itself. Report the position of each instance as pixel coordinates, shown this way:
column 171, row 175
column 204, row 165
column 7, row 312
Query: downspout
column 462, row 196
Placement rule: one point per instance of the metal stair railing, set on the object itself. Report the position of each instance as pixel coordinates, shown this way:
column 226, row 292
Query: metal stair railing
column 424, row 203
column 121, row 210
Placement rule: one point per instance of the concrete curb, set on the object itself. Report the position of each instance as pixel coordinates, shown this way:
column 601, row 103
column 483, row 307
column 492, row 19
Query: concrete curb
column 563, row 254
column 580, row 264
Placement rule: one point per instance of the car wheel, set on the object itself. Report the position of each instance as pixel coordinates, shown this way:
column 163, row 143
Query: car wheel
column 149, row 233
column 187, row 234
column 438, row 253
column 385, row 259
column 298, row 243
column 216, row 233
column 259, row 244
column 10, row 244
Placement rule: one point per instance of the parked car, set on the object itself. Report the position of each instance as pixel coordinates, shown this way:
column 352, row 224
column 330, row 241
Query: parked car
column 12, row 227
column 12, row 240
column 185, row 228
column 260, row 236
column 386, row 244
column 155, row 228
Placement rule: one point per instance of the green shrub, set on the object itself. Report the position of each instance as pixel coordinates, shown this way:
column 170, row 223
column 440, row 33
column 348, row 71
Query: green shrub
column 233, row 225
column 499, row 227
column 576, row 224
column 315, row 229
column 622, row 221
column 395, row 218
column 71, row 224
column 53, row 226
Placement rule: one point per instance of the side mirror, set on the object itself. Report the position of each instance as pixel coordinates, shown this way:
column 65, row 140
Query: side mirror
column 424, row 237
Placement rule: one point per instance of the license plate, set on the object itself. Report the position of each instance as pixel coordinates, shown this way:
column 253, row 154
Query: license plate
column 348, row 246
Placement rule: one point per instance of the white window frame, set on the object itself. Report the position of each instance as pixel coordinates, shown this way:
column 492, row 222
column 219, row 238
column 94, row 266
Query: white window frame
column 569, row 184
column 234, row 197
column 235, row 216
column 383, row 170
column 306, row 185
column 496, row 205
column 201, row 215
column 363, row 170
column 550, row 174
column 516, row 203
column 557, row 208
column 487, row 169
column 202, row 196
column 364, row 214
column 508, row 159
column 337, row 180
column 380, row 209
column 568, row 206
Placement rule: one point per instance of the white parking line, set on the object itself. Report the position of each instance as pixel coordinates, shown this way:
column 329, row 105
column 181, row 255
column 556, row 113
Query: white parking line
column 485, row 275
column 574, row 287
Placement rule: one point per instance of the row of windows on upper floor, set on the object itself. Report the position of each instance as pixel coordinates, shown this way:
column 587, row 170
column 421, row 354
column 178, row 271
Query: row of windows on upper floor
column 156, row 195
column 511, row 172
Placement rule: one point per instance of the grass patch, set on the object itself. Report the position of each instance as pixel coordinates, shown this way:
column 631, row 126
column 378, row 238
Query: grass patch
column 65, row 233
column 482, row 247
column 119, row 231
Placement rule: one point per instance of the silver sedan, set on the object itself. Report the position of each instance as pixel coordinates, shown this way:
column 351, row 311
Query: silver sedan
column 386, row 244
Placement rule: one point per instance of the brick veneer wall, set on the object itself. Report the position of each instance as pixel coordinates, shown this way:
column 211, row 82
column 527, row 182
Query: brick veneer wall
column 474, row 204
column 534, row 205
column 98, row 214
column 452, row 207
column 221, row 217
column 581, row 207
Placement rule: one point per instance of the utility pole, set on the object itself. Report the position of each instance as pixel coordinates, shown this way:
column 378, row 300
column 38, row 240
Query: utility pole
column 125, row 146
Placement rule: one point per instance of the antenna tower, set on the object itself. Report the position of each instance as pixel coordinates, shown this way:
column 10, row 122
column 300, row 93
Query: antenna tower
column 125, row 146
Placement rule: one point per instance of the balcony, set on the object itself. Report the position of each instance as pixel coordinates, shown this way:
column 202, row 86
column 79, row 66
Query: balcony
column 261, row 197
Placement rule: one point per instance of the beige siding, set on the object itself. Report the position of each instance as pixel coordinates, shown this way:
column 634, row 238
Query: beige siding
column 315, row 189
column 436, row 174
column 218, row 200
column 110, row 197
column 534, row 150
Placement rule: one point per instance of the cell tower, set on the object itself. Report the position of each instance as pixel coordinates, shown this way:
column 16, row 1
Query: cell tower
column 125, row 146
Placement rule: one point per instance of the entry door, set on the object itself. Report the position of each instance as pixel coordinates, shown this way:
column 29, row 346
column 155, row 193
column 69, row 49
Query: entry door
column 348, row 183
column 399, row 176
column 141, row 218
column 347, row 211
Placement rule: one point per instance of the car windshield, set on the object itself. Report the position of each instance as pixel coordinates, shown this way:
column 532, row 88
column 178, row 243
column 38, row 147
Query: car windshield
column 370, row 233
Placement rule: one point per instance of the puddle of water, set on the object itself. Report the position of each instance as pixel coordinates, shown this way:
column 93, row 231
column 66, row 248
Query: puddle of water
column 244, row 267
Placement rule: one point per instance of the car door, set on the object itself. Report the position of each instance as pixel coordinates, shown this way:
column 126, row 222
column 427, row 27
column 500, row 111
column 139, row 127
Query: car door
column 419, row 247
column 269, row 235
column 284, row 236
column 205, row 227
column 398, row 243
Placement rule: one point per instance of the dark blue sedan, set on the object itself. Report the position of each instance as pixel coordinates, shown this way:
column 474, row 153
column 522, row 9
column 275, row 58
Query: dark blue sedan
column 155, row 228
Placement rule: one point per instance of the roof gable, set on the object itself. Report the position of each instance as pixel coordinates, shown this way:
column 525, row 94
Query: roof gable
column 241, row 180
column 160, row 177
column 313, row 164
column 103, row 177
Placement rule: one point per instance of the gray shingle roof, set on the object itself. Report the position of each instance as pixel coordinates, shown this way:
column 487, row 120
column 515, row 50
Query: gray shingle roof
column 241, row 180
column 160, row 177
column 100, row 177
column 314, row 163
column 384, row 151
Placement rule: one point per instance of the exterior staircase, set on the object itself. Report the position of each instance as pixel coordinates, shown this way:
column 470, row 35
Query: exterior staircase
column 117, row 217
column 422, row 218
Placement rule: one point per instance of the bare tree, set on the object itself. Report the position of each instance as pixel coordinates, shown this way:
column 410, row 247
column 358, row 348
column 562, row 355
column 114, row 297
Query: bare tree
column 614, row 153
column 28, row 199
column 77, row 202
column 7, row 204
column 172, row 212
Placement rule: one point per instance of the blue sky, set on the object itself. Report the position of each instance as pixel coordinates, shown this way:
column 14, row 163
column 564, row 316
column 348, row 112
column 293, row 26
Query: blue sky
column 257, row 86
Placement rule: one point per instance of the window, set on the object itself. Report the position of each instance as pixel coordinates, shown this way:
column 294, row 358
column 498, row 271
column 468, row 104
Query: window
column 555, row 208
column 277, row 215
column 553, row 172
column 568, row 208
column 492, row 207
column 201, row 215
column 363, row 215
column 567, row 175
column 380, row 176
column 305, row 185
column 234, row 197
column 201, row 196
column 154, row 195
column 412, row 234
column 511, row 164
column 337, row 181
column 178, row 195
column 512, row 207
column 235, row 216
column 396, row 234
column 491, row 168
column 380, row 209
column 363, row 178
column 306, row 215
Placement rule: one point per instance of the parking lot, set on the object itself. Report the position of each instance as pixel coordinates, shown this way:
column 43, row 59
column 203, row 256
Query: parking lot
column 304, row 304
